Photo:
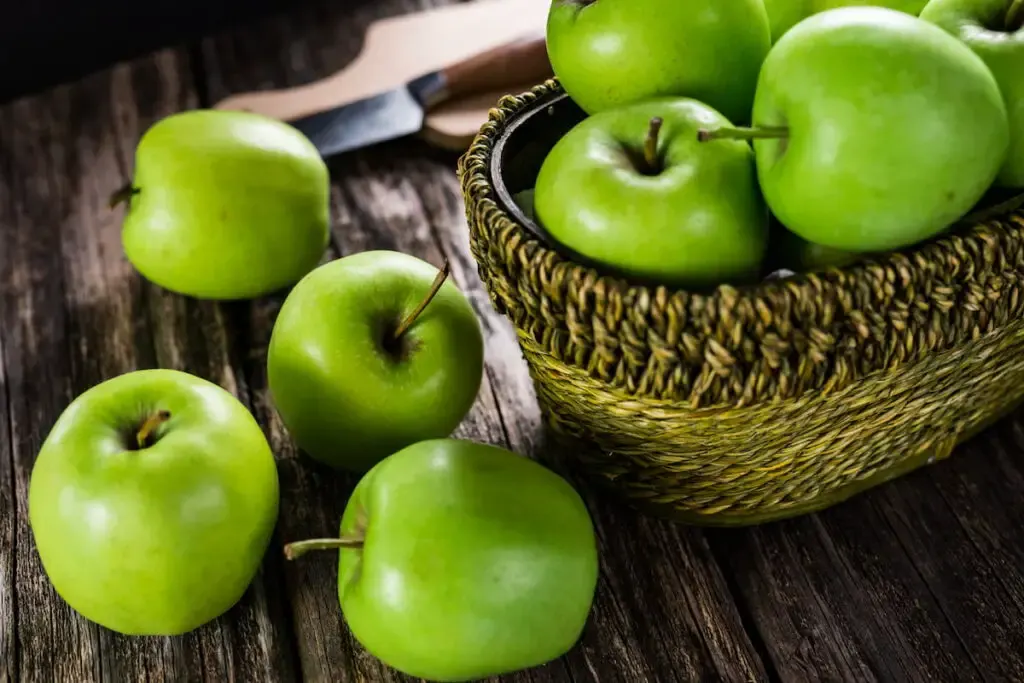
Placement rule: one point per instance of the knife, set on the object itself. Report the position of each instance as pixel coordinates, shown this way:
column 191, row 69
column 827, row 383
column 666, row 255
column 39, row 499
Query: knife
column 402, row 111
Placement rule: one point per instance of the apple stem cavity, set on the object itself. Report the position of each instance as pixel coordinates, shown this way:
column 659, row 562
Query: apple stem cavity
column 404, row 326
column 150, row 424
column 651, row 157
column 766, row 133
column 122, row 194
column 300, row 548
column 1015, row 16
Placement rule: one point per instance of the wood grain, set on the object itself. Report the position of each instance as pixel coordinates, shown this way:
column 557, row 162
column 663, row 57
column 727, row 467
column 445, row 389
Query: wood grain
column 8, row 529
column 52, row 643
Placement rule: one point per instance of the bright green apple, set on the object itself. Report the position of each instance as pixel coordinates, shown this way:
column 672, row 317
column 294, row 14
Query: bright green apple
column 652, row 202
column 994, row 29
column 461, row 561
column 152, row 502
column 225, row 205
column 610, row 53
column 785, row 14
column 373, row 352
column 873, row 129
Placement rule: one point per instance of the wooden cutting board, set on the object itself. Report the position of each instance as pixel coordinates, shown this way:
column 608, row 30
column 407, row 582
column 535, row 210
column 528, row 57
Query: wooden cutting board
column 398, row 49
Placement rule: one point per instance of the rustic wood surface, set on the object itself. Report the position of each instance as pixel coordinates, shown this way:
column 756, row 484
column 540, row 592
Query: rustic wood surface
column 921, row 579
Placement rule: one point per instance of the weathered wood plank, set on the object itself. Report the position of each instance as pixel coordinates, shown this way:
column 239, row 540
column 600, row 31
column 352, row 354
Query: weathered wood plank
column 8, row 529
column 53, row 644
column 921, row 577
column 74, row 314
column 836, row 597
column 964, row 528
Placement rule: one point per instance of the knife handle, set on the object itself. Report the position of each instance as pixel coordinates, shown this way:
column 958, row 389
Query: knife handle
column 517, row 63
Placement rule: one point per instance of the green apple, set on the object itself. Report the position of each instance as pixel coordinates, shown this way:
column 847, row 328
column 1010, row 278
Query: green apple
column 633, row 190
column 785, row 14
column 373, row 352
column 610, row 53
column 994, row 29
column 225, row 205
column 152, row 502
column 460, row 561
column 874, row 130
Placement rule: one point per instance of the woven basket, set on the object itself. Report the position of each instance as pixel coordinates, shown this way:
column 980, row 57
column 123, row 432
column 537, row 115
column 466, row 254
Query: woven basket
column 743, row 405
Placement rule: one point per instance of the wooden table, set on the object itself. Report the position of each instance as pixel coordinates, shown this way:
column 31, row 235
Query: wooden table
column 922, row 579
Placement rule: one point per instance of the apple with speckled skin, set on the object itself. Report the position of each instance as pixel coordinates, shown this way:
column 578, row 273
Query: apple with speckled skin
column 225, row 205
column 152, row 502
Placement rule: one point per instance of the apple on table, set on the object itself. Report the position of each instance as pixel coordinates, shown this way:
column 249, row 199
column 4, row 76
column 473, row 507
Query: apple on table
column 370, row 353
column 460, row 560
column 152, row 502
column 225, row 205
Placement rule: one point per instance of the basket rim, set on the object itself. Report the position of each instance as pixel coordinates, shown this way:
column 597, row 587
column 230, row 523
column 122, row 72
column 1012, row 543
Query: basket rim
column 481, row 157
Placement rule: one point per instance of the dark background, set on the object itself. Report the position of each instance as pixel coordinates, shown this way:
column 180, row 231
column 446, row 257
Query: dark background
column 46, row 42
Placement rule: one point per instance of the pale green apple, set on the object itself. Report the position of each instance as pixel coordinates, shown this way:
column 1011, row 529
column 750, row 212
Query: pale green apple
column 610, row 53
column 994, row 29
column 461, row 561
column 874, row 130
column 152, row 502
column 354, row 371
column 225, row 205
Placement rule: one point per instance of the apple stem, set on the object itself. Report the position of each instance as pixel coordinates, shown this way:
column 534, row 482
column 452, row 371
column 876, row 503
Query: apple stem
column 1015, row 16
column 300, row 548
column 766, row 133
column 442, row 275
column 122, row 194
column 651, row 146
column 151, row 423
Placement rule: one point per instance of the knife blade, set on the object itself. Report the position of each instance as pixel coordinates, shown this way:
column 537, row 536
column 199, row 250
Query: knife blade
column 402, row 111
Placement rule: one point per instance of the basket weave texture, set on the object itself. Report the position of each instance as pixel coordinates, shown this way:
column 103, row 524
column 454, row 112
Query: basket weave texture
column 742, row 405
